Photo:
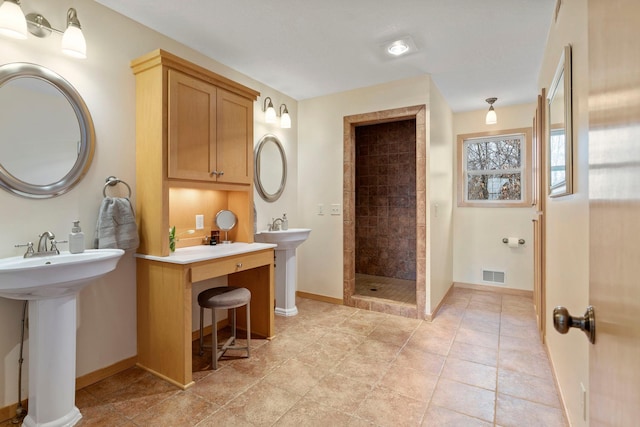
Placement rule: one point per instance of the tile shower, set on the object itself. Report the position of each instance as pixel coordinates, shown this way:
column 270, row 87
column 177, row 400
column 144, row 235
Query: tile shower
column 385, row 210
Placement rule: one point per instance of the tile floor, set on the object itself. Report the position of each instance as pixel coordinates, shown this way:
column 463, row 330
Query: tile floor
column 398, row 290
column 479, row 363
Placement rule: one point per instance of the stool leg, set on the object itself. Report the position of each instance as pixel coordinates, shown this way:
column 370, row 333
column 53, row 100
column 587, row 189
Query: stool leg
column 201, row 333
column 214, row 337
column 233, row 326
column 248, row 327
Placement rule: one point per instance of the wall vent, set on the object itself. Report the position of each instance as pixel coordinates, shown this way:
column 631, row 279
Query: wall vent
column 493, row 276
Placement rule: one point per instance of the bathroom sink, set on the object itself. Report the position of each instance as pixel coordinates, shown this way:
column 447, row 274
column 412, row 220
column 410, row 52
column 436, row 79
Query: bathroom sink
column 55, row 275
column 285, row 239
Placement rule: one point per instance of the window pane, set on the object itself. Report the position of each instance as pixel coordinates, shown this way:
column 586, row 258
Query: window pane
column 494, row 154
column 494, row 187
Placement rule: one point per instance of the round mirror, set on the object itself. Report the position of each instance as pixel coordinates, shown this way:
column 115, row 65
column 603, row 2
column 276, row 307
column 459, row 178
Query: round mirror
column 47, row 137
column 225, row 221
column 270, row 168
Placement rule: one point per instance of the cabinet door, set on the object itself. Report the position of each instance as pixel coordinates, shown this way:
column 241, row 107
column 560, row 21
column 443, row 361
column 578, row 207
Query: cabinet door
column 235, row 138
column 192, row 128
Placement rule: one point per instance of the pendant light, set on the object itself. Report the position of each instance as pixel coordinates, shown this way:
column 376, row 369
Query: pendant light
column 491, row 118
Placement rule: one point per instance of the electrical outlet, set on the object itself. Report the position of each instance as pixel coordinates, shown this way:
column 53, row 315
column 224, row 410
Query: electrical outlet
column 335, row 209
column 199, row 222
column 320, row 209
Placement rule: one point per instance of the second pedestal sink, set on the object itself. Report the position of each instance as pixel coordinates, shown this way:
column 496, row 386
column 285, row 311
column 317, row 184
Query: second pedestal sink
column 287, row 241
column 51, row 283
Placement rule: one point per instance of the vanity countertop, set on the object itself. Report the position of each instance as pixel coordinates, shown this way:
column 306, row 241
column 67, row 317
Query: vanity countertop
column 199, row 253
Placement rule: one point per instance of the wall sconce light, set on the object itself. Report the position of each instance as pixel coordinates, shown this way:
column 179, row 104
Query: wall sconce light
column 285, row 118
column 269, row 111
column 14, row 24
column 491, row 118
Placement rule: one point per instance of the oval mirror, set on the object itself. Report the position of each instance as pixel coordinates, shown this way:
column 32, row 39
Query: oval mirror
column 47, row 137
column 225, row 221
column 270, row 168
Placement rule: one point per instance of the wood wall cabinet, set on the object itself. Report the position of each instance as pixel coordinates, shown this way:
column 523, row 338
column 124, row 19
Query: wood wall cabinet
column 194, row 129
column 208, row 132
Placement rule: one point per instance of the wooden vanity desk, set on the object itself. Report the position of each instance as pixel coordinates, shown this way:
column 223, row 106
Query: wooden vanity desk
column 165, row 300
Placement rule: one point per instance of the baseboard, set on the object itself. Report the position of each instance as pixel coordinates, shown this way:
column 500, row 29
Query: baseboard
column 83, row 381
column 100, row 374
column 430, row 317
column 322, row 298
column 497, row 289
column 563, row 401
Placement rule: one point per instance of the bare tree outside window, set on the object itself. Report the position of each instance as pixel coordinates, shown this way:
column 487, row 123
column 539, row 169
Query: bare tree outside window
column 494, row 169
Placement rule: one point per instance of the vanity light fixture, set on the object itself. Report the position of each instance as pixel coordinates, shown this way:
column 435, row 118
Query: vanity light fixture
column 269, row 111
column 13, row 21
column 285, row 118
column 491, row 118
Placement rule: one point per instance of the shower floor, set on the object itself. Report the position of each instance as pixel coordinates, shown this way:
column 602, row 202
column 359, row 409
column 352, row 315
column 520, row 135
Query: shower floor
column 390, row 288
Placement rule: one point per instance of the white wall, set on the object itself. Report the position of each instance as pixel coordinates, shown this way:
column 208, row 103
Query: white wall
column 106, row 309
column 478, row 232
column 567, row 233
column 440, row 149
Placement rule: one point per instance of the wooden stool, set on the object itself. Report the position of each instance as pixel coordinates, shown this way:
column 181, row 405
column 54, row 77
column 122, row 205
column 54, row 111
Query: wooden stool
column 224, row 297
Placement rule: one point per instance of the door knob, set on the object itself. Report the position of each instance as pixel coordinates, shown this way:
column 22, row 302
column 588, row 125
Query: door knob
column 563, row 321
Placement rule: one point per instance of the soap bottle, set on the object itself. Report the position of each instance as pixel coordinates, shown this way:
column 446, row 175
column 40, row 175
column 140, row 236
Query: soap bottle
column 285, row 222
column 76, row 239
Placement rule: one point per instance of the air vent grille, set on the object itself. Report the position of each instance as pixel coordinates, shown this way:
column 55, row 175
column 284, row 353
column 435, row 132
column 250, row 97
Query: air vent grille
column 493, row 276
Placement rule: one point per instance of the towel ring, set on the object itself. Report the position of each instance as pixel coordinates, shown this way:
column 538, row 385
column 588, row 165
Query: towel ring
column 112, row 181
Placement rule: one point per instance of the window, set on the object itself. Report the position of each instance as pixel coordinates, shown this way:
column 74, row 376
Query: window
column 493, row 169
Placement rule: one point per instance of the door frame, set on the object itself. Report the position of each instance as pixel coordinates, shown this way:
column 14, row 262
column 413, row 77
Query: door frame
column 418, row 113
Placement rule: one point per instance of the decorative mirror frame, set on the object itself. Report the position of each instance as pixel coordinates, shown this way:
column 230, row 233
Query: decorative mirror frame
column 16, row 186
column 269, row 197
column 562, row 75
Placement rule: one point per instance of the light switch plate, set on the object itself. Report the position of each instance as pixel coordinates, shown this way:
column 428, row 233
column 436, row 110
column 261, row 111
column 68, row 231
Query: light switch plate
column 320, row 209
column 199, row 222
column 335, row 209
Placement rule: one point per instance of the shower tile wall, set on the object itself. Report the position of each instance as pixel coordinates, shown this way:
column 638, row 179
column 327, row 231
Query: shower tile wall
column 386, row 199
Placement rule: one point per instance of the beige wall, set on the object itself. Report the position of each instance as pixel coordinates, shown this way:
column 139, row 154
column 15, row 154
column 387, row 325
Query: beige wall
column 478, row 232
column 567, row 235
column 106, row 309
column 320, row 157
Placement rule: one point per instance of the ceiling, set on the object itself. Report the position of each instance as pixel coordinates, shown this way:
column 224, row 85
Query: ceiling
column 473, row 49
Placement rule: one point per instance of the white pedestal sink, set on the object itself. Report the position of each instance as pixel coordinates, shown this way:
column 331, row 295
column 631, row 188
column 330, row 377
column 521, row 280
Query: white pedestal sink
column 51, row 285
column 285, row 272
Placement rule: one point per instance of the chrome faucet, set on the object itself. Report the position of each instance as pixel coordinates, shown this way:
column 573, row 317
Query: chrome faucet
column 42, row 243
column 275, row 225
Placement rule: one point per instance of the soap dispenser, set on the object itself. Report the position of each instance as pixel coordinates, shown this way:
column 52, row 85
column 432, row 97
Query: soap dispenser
column 285, row 222
column 76, row 239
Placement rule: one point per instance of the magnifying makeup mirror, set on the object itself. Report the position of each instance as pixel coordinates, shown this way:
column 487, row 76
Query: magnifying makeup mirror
column 225, row 221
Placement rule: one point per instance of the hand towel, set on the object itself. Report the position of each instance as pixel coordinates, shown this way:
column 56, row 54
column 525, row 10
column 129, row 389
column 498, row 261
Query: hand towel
column 116, row 227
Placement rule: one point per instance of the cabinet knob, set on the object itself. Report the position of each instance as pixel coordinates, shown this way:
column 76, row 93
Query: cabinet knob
column 220, row 173
column 214, row 173
column 239, row 265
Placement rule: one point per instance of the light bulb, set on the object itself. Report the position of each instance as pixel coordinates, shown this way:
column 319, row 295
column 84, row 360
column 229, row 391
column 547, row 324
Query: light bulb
column 12, row 21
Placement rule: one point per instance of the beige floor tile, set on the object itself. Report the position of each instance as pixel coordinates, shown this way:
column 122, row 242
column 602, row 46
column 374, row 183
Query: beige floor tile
column 263, row 404
column 180, row 409
column 224, row 417
column 470, row 373
column 422, row 361
column 528, row 387
column 409, row 382
column 141, row 395
column 296, row 376
column 386, row 408
column 373, row 348
column 482, row 339
column 466, row 399
column 474, row 353
column 368, row 370
column 525, row 362
column 513, row 412
column 533, row 346
column 340, row 392
column 309, row 414
column 224, row 385
column 440, row 417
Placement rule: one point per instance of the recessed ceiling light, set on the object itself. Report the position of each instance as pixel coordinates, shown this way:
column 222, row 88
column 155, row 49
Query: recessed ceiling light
column 399, row 47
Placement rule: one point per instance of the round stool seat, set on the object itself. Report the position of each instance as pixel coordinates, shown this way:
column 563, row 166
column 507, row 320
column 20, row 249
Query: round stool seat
column 224, row 297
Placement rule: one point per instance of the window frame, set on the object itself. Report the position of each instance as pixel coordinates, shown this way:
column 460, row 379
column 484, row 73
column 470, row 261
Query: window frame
column 526, row 179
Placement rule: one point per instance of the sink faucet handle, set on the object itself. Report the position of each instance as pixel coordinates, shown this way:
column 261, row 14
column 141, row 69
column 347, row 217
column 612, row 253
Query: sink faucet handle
column 54, row 247
column 29, row 246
